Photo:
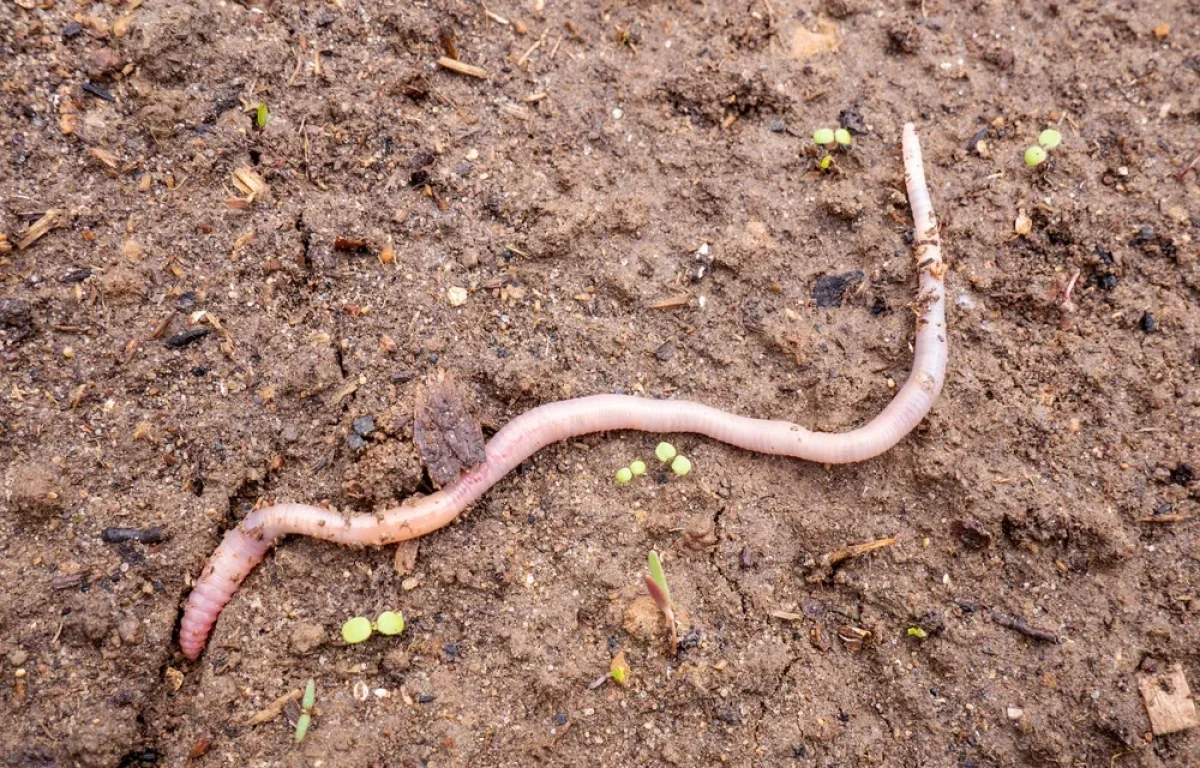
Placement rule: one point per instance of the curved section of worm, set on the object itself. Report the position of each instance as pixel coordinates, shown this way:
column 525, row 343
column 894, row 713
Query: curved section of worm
column 246, row 545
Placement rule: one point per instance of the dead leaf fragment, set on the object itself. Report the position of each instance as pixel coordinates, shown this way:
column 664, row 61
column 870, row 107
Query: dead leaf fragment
column 806, row 43
column 249, row 184
column 174, row 679
column 448, row 437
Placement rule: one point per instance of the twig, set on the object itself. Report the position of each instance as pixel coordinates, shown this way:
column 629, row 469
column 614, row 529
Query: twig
column 1018, row 625
column 272, row 710
column 525, row 56
column 856, row 550
column 463, row 69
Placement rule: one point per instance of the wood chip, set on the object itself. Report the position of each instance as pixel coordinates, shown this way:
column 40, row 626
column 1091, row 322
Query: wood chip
column 671, row 302
column 5, row 246
column 445, row 62
column 787, row 615
column 106, row 159
column 40, row 228
column 1168, row 701
column 273, row 710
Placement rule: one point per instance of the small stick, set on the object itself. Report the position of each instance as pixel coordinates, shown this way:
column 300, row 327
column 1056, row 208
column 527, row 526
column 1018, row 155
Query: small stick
column 39, row 228
column 525, row 56
column 1019, row 625
column 272, row 710
column 1164, row 519
column 463, row 69
column 855, row 550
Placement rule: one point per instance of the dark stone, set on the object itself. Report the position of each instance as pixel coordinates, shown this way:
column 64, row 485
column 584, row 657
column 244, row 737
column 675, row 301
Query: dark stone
column 364, row 426
column 1183, row 474
column 180, row 340
column 828, row 290
column 1148, row 322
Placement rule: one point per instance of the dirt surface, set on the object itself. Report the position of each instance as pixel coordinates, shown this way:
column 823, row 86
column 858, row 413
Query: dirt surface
column 174, row 353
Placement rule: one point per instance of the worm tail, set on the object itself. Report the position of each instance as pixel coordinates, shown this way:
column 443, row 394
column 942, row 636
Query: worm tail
column 237, row 555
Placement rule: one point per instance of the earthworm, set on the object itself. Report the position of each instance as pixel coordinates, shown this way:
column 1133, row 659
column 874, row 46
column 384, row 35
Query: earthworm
column 245, row 545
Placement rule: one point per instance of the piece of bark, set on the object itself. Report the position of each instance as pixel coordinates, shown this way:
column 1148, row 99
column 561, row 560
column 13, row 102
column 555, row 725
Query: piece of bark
column 406, row 557
column 448, row 436
column 1168, row 701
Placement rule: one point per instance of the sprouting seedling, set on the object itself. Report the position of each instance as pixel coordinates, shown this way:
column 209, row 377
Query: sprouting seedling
column 261, row 115
column 681, row 465
column 918, row 633
column 618, row 672
column 1048, row 140
column 842, row 137
column 624, row 475
column 665, row 452
column 306, row 706
column 356, row 630
column 637, row 468
column 656, row 584
column 824, row 136
column 390, row 623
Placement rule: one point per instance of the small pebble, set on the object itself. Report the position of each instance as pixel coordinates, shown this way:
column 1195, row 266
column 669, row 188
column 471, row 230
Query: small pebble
column 1149, row 323
column 457, row 295
column 131, row 631
column 364, row 426
column 17, row 657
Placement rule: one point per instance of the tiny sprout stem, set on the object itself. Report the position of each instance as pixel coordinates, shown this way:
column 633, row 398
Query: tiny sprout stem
column 310, row 696
column 660, row 578
column 302, row 724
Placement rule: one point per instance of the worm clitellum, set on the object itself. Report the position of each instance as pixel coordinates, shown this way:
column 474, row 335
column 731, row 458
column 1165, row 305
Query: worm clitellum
column 246, row 545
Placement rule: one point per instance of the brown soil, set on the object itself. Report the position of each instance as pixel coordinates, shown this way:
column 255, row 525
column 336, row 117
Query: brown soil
column 664, row 126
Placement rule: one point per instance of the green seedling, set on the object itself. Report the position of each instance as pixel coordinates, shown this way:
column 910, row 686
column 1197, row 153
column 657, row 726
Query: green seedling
column 637, row 468
column 1035, row 156
column 261, row 115
column 918, row 633
column 824, row 136
column 302, row 724
column 826, row 162
column 306, row 704
column 390, row 623
column 681, row 465
column 1049, row 139
column 842, row 137
column 624, row 475
column 656, row 585
column 356, row 630
column 665, row 452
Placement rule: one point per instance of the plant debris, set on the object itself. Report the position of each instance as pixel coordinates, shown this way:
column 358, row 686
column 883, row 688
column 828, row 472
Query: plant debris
column 448, row 437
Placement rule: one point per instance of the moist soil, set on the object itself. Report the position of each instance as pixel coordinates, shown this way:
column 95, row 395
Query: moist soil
column 178, row 347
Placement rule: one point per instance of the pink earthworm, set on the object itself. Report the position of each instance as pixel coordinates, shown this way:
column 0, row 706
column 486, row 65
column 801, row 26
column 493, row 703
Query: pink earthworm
column 245, row 545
